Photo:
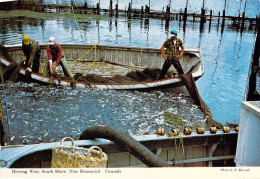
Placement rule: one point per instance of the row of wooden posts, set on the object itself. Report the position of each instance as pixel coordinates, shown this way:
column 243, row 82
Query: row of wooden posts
column 143, row 12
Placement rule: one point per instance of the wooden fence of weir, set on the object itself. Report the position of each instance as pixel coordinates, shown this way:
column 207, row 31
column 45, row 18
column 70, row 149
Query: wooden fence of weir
column 129, row 12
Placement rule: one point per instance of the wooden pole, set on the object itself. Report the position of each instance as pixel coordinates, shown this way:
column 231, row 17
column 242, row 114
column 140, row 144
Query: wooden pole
column 225, row 6
column 244, row 14
column 117, row 9
column 252, row 93
column 202, row 9
column 186, row 9
column 187, row 4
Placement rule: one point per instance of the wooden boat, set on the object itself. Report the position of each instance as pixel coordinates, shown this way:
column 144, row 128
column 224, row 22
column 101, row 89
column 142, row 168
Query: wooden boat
column 182, row 150
column 108, row 60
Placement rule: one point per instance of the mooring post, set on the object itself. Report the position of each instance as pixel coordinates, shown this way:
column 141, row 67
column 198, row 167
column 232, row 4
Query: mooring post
column 167, row 11
column 225, row 6
column 98, row 7
column 86, row 4
column 147, row 10
column 180, row 14
column 244, row 13
column 186, row 9
column 111, row 7
column 117, row 9
column 129, row 10
column 170, row 4
column 202, row 9
column 211, row 12
column 252, row 93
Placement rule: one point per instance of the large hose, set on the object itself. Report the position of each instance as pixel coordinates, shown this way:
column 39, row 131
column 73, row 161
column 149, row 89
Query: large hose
column 126, row 142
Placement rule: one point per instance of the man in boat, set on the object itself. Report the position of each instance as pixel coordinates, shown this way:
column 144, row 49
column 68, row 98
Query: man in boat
column 54, row 54
column 32, row 54
column 173, row 54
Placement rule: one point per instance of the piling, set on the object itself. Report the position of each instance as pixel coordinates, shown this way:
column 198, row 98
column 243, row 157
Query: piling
column 129, row 11
column 143, row 12
column 117, row 10
column 252, row 93
column 225, row 6
column 210, row 16
column 111, row 8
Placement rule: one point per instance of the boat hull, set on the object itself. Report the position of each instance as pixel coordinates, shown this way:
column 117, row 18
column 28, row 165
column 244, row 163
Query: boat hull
column 192, row 151
column 129, row 57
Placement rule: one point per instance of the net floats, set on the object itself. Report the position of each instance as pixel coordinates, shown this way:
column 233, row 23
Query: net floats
column 213, row 130
column 176, row 132
column 226, row 129
column 200, row 130
column 187, row 131
column 160, row 131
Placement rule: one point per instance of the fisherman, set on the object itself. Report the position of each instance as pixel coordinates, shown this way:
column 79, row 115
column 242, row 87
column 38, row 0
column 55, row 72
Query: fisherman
column 173, row 54
column 32, row 54
column 54, row 53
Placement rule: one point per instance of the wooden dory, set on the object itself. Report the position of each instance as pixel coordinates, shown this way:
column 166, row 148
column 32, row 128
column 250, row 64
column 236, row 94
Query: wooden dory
column 113, row 59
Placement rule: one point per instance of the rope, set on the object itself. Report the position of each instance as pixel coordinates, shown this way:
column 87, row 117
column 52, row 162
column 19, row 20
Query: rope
column 94, row 60
column 76, row 21
column 176, row 151
column 183, row 154
column 83, row 54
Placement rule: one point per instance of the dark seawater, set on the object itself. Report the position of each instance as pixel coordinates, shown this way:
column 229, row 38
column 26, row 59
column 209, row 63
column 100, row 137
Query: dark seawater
column 44, row 114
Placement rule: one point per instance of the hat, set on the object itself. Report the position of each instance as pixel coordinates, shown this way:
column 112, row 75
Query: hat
column 51, row 41
column 173, row 32
column 26, row 40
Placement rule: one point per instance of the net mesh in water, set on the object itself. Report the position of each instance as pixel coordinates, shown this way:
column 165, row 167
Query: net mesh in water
column 148, row 74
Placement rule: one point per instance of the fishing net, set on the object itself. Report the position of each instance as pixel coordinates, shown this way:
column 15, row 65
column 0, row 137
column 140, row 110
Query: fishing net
column 190, row 85
column 148, row 74
column 11, row 72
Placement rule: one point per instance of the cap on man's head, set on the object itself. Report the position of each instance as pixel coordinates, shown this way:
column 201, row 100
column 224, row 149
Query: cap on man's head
column 51, row 41
column 26, row 40
column 173, row 32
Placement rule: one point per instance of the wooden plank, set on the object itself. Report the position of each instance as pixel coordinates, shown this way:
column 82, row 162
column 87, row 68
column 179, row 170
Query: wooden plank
column 119, row 159
column 188, row 155
column 134, row 161
column 198, row 152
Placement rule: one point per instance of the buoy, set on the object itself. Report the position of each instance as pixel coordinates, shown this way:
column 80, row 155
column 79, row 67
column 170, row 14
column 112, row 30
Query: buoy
column 213, row 130
column 161, row 131
column 176, row 132
column 200, row 130
column 187, row 131
column 237, row 129
column 226, row 129
column 146, row 133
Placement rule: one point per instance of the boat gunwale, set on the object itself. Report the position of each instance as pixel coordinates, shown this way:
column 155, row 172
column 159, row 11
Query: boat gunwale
column 33, row 148
column 124, row 86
